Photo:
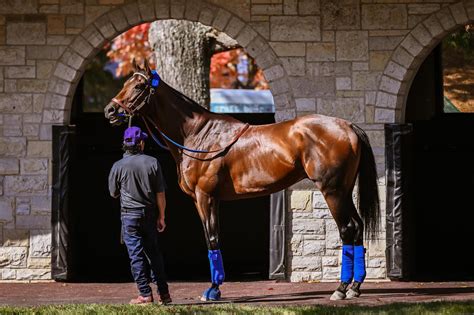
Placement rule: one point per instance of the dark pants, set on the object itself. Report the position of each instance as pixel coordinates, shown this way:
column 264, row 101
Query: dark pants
column 141, row 237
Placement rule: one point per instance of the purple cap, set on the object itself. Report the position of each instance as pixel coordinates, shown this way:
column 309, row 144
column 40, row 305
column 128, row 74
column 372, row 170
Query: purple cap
column 133, row 135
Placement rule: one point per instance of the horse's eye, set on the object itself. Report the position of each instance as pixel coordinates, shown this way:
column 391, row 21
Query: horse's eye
column 139, row 86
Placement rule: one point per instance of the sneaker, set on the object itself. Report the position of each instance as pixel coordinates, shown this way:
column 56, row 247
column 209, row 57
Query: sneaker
column 142, row 300
column 165, row 299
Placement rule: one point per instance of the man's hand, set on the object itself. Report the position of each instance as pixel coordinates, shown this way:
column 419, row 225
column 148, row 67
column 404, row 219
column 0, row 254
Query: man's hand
column 160, row 224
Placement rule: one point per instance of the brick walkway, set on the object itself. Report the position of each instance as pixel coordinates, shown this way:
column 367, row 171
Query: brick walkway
column 259, row 292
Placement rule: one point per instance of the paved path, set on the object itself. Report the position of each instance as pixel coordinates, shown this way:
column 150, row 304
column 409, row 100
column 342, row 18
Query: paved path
column 256, row 293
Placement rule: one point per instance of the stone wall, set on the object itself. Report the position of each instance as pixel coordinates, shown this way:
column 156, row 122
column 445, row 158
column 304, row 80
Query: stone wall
column 354, row 59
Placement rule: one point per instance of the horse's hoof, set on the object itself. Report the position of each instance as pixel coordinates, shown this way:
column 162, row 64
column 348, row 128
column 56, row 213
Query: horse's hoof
column 338, row 295
column 211, row 294
column 352, row 294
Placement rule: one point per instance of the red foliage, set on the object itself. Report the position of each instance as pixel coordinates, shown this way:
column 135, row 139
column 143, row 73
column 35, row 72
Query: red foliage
column 224, row 66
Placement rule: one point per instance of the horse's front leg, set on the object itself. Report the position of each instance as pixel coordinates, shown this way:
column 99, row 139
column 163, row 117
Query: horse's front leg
column 208, row 208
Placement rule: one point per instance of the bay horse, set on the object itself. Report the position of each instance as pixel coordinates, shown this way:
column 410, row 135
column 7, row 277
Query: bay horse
column 236, row 161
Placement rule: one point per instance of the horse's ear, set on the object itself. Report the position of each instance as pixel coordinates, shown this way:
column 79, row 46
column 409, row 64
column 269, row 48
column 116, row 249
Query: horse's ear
column 134, row 65
column 147, row 66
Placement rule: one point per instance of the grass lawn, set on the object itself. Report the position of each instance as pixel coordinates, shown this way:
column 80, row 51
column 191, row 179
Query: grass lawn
column 421, row 308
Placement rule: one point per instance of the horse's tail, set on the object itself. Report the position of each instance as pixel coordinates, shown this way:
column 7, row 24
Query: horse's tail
column 368, row 196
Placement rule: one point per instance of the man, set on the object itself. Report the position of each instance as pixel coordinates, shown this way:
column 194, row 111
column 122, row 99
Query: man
column 138, row 180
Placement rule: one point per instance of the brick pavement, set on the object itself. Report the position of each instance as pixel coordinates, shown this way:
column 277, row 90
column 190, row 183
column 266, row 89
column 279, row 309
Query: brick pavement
column 253, row 293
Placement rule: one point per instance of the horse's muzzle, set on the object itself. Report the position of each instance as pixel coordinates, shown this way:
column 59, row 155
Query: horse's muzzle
column 112, row 114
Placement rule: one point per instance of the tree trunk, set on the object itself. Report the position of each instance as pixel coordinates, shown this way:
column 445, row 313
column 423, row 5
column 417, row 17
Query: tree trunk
column 183, row 56
column 183, row 52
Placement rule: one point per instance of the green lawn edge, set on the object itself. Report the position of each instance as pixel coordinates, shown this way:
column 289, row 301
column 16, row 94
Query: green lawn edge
column 466, row 307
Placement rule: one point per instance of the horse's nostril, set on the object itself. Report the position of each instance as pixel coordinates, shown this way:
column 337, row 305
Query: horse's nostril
column 111, row 110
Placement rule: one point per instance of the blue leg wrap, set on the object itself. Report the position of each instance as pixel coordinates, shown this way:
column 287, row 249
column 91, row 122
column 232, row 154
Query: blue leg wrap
column 347, row 269
column 217, row 267
column 359, row 263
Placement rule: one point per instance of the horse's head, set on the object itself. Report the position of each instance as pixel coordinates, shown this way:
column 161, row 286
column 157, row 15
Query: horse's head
column 135, row 94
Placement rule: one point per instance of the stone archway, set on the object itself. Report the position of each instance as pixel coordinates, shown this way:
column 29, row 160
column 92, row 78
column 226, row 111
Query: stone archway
column 70, row 67
column 403, row 65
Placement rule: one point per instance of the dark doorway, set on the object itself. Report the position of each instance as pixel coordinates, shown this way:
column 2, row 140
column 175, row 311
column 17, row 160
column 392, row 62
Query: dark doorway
column 442, row 179
column 99, row 255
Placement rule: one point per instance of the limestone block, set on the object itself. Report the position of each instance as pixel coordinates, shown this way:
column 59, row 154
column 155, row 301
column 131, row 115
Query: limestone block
column 39, row 263
column 26, row 185
column 33, row 222
column 131, row 13
column 26, row 33
column 306, row 104
column 459, row 14
column 376, row 248
column 12, row 55
column 34, row 166
column 59, row 39
column 343, row 83
column 33, row 274
column 8, row 274
column 318, row 201
column 294, row 66
column 376, row 273
column 41, row 204
column 13, row 256
column 307, row 86
column 422, row 35
column 298, row 276
column 105, row 26
column 54, row 116
column 402, row 57
column 221, row 20
column 6, row 208
column 446, row 19
column 390, row 85
column 44, row 52
column 18, row 7
column 16, row 103
column 44, row 69
column 289, row 28
column 331, row 273
column 256, row 47
column 376, row 137
column 306, row 263
column 118, row 19
column 93, row 36
column 423, row 9
column 302, row 215
column 383, row 115
column 352, row 46
column 283, row 101
column 40, row 148
column 234, row 26
column 388, row 43
column 341, row 15
column 314, row 247
column 1, row 185
column 9, row 166
column 23, row 206
column 82, row 47
column 320, row 52
column 376, row 263
column 64, row 72
column 469, row 5
column 308, row 226
column 333, row 241
column 32, row 86
column 15, row 238
column 433, row 26
column 245, row 36
column 384, row 16
column 296, row 244
column 378, row 60
column 56, row 24
column 273, row 73
column 282, row 115
column 40, row 243
column 351, row 109
column 396, row 71
column 300, row 201
column 331, row 261
column 20, row 72
column 267, row 9
column 289, row 49
column 12, row 146
column 93, row 12
column 46, row 132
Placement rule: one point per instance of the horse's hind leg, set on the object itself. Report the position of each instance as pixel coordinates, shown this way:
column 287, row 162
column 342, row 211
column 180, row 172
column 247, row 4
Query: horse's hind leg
column 351, row 231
